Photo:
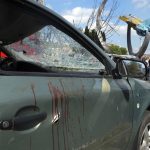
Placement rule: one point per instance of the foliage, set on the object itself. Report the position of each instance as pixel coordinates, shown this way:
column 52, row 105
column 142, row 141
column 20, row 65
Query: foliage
column 115, row 49
column 92, row 34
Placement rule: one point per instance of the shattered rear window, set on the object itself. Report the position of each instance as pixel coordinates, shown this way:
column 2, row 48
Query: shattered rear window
column 52, row 48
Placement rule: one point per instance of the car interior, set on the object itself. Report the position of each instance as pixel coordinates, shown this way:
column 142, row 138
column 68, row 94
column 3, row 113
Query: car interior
column 9, row 63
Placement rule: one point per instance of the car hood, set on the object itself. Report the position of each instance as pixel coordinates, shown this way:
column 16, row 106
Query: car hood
column 17, row 21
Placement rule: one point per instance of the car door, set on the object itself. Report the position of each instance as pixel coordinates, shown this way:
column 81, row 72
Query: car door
column 93, row 113
column 20, row 105
column 89, row 113
column 85, row 110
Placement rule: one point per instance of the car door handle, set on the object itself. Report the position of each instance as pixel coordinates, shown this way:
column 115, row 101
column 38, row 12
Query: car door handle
column 23, row 122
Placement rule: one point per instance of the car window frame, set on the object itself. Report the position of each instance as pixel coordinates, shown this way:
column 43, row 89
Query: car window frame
column 51, row 18
column 63, row 72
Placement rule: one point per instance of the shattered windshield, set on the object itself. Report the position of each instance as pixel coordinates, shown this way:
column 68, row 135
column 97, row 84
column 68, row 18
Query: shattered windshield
column 52, row 48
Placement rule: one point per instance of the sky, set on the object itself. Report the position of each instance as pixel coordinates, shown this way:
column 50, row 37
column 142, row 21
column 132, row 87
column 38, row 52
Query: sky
column 80, row 10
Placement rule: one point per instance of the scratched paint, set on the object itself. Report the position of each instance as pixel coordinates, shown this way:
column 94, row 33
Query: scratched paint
column 66, row 112
column 51, row 91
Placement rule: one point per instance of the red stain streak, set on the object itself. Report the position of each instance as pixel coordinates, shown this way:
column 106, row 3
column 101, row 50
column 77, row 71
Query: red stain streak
column 65, row 114
column 58, row 97
column 33, row 90
column 57, row 101
column 60, row 104
column 55, row 98
column 51, row 91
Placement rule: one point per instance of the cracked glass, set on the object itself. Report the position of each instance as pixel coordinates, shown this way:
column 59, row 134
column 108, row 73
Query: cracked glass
column 56, row 50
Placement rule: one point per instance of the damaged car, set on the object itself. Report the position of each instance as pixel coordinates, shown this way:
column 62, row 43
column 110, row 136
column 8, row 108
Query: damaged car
column 60, row 91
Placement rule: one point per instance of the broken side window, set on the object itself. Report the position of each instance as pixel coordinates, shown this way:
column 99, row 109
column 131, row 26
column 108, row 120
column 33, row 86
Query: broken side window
column 55, row 50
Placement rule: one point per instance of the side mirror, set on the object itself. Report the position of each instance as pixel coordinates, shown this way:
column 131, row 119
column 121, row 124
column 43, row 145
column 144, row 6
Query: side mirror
column 132, row 68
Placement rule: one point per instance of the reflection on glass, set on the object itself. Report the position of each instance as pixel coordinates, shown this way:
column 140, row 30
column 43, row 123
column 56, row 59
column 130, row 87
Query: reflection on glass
column 135, row 68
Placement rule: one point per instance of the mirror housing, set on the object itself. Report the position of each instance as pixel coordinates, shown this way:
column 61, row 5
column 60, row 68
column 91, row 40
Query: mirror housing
column 132, row 68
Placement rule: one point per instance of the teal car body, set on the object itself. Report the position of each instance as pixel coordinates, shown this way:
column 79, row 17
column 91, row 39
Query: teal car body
column 52, row 104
